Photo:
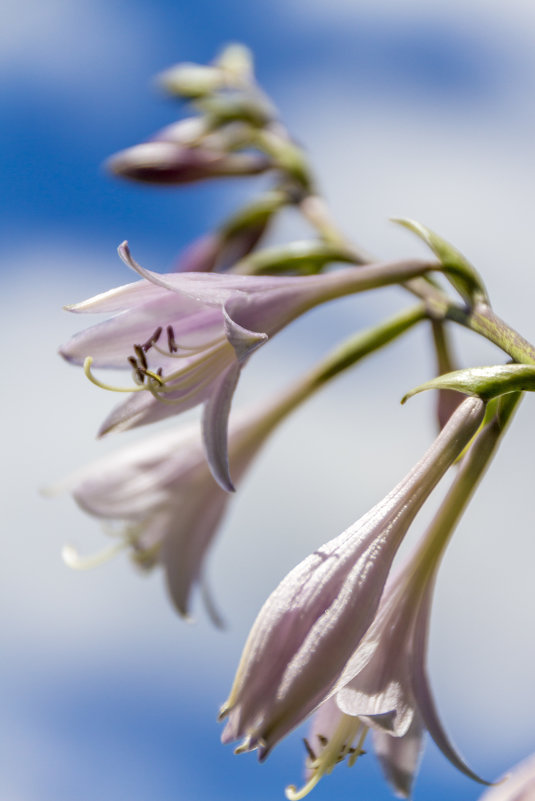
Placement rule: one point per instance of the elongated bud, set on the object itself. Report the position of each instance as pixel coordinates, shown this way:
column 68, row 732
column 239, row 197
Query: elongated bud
column 191, row 80
column 167, row 163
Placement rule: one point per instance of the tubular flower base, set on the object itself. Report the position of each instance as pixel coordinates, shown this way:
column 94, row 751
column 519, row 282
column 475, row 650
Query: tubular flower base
column 162, row 492
column 186, row 336
column 312, row 623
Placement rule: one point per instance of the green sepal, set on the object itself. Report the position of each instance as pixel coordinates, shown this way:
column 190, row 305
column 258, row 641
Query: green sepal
column 487, row 382
column 461, row 274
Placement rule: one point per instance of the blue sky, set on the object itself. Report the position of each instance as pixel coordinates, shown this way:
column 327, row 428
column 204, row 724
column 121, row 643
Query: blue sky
column 408, row 109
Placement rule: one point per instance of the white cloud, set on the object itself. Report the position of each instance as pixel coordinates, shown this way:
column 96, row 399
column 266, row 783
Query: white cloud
column 488, row 13
column 75, row 47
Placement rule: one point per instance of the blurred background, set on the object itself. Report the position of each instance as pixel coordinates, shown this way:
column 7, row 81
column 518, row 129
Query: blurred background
column 407, row 109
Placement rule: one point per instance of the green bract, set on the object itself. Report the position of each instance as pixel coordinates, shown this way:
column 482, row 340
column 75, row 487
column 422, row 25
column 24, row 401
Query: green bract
column 487, row 382
column 457, row 268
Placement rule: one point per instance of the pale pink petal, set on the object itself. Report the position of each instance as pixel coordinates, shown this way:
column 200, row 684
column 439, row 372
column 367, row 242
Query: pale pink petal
column 400, row 756
column 215, row 423
column 423, row 695
column 191, row 528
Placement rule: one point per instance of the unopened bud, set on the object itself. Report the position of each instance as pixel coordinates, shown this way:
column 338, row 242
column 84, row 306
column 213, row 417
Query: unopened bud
column 191, row 80
column 167, row 163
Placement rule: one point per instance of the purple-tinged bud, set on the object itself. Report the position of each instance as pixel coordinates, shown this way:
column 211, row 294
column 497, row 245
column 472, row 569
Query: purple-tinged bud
column 166, row 163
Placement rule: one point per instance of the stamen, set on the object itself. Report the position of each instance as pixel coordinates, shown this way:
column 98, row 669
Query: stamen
column 156, row 377
column 153, row 339
column 173, row 347
column 87, row 370
column 357, row 750
column 140, row 353
column 72, row 558
column 309, row 750
column 334, row 751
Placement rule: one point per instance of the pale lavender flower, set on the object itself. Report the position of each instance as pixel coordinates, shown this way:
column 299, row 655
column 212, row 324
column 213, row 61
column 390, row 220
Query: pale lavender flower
column 186, row 336
column 518, row 785
column 169, row 507
column 312, row 623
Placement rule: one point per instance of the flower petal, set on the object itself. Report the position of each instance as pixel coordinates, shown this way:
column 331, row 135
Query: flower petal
column 191, row 527
column 423, row 695
column 400, row 756
column 215, row 425
column 242, row 340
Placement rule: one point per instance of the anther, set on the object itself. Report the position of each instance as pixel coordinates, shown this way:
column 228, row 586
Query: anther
column 173, row 347
column 140, row 353
column 153, row 339
column 323, row 740
column 309, row 750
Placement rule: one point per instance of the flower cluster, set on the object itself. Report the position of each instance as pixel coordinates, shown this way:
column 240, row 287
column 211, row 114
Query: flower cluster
column 342, row 640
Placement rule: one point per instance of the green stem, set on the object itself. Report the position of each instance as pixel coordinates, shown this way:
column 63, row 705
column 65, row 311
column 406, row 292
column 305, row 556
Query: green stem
column 344, row 356
column 471, row 472
column 480, row 319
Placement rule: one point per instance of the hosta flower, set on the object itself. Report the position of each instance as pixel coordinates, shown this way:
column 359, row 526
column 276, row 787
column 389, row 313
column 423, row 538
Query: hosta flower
column 312, row 623
column 185, row 337
column 161, row 492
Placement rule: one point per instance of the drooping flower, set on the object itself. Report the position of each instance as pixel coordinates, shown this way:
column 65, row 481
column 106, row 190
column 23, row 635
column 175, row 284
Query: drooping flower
column 312, row 623
column 169, row 507
column 185, row 336
column 384, row 685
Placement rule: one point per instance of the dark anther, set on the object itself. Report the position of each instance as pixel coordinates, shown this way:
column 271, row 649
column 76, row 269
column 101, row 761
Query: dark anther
column 323, row 740
column 152, row 340
column 309, row 750
column 140, row 353
column 133, row 362
column 159, row 372
column 171, row 339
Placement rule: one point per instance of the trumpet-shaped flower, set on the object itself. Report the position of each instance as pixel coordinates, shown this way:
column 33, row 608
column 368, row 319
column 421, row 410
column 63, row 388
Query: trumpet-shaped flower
column 312, row 623
column 185, row 337
column 166, row 500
